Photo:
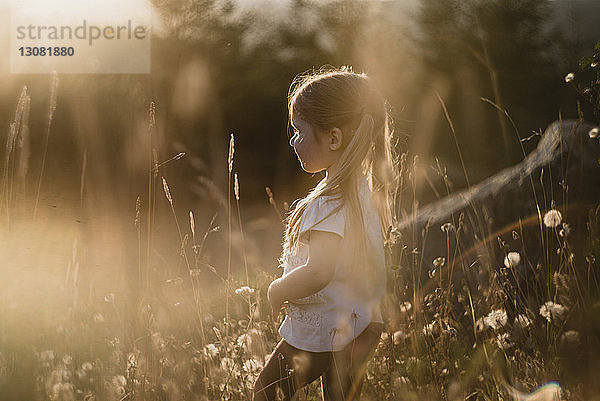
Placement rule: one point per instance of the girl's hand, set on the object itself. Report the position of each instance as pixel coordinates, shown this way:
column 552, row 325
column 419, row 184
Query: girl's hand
column 275, row 300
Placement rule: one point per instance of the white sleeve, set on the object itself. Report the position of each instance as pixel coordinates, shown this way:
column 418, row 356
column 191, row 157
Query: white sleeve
column 321, row 215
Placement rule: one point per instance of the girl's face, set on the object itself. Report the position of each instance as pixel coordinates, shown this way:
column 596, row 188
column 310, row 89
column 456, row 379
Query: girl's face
column 311, row 146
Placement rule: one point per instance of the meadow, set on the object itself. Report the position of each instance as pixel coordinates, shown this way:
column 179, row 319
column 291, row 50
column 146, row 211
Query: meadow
column 141, row 216
column 513, row 315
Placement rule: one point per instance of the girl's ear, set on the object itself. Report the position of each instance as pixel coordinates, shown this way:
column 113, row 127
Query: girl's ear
column 335, row 139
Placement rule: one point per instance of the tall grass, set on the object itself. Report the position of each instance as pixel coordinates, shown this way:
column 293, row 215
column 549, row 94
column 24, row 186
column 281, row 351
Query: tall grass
column 481, row 317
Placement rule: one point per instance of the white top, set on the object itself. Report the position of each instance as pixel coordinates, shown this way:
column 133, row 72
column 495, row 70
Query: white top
column 334, row 316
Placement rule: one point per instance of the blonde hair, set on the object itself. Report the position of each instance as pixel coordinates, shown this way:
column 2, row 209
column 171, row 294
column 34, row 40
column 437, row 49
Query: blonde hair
column 341, row 98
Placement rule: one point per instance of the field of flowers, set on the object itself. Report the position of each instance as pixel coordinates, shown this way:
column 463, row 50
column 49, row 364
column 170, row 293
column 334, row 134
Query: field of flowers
column 493, row 314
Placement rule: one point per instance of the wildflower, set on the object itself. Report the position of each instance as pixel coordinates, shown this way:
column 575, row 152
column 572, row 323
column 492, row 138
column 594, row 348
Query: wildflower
column 594, row 132
column 395, row 236
column 428, row 329
column 244, row 341
column 439, row 262
column 405, row 306
column 131, row 359
column 63, row 391
column 447, row 227
column 86, row 366
column 98, row 318
column 496, row 319
column 552, row 218
column 399, row 336
column 504, row 341
column 512, row 259
column 523, row 321
column 569, row 77
column 227, row 364
column 245, row 291
column 110, row 298
column 211, row 350
column 67, row 359
column 252, row 365
column 565, row 230
column 552, row 311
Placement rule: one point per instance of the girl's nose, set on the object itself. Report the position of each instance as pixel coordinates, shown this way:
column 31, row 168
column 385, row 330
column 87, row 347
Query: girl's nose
column 292, row 140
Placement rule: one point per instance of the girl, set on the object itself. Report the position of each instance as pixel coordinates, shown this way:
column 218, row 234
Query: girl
column 333, row 260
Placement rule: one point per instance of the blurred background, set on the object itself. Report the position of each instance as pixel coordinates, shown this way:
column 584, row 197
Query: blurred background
column 222, row 68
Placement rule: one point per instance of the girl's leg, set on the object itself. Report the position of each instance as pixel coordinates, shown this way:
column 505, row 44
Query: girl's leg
column 288, row 370
column 343, row 379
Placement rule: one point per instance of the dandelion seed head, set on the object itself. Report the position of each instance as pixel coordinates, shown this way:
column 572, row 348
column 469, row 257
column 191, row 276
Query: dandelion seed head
column 244, row 341
column 569, row 77
column 229, row 365
column 211, row 350
column 594, row 132
column 405, row 306
column 245, row 291
column 552, row 218
column 399, row 336
column 496, row 319
column 552, row 311
column 504, row 341
column 252, row 366
column 512, row 259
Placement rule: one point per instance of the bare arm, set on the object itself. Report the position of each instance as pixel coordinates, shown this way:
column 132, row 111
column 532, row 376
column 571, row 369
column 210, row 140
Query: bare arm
column 311, row 277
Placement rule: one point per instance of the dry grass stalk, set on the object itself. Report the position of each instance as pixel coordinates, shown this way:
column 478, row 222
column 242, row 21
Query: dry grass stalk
column 50, row 118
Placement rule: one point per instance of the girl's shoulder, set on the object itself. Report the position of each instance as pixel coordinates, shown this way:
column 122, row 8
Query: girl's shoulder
column 324, row 213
